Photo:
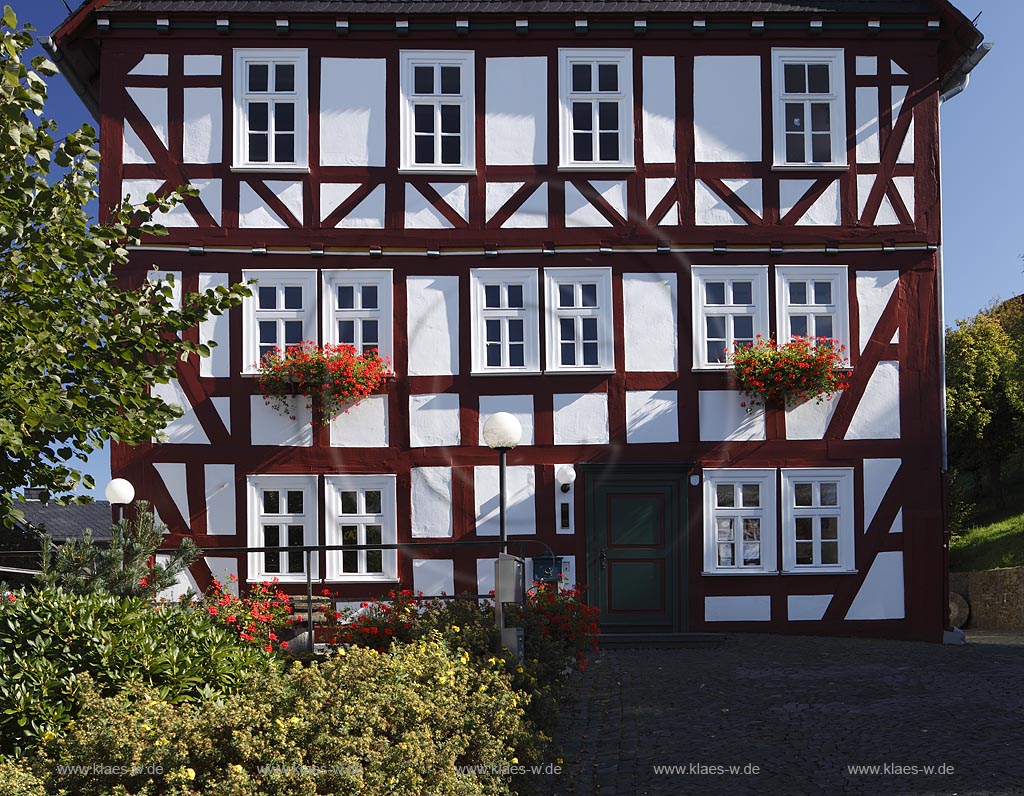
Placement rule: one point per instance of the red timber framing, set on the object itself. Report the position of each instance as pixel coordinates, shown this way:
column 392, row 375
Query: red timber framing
column 906, row 330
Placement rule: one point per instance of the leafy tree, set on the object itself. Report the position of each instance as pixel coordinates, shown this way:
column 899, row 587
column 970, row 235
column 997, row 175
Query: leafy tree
column 124, row 567
column 984, row 398
column 79, row 350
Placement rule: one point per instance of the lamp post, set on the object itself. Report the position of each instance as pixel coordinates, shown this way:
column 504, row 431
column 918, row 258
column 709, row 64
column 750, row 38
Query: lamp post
column 502, row 432
column 119, row 492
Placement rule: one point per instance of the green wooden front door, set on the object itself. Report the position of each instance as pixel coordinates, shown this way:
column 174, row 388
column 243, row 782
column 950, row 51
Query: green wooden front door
column 636, row 547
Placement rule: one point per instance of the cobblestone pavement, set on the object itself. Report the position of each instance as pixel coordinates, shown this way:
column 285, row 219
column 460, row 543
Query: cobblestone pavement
column 802, row 710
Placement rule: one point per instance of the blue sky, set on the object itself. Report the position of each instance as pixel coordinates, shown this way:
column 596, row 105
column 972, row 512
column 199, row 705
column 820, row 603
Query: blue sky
column 982, row 162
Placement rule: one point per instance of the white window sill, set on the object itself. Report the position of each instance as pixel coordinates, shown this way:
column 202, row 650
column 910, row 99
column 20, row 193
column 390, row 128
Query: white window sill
column 810, row 167
column 578, row 371
column 598, row 167
column 712, row 368
column 271, row 576
column 820, row 571
column 276, row 169
column 740, row 572
column 463, row 171
column 506, row 372
column 353, row 579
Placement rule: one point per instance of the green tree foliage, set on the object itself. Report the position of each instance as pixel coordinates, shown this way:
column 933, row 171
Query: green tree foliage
column 124, row 567
column 79, row 350
column 984, row 399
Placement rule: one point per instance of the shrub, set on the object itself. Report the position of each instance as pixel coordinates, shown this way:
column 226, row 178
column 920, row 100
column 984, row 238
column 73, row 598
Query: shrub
column 360, row 723
column 256, row 618
column 49, row 639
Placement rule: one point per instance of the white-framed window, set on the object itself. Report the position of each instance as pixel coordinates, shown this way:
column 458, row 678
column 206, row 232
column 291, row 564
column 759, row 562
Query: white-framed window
column 580, row 334
column 817, row 520
column 809, row 108
column 595, row 93
column 730, row 308
column 271, row 115
column 360, row 510
column 282, row 513
column 506, row 324
column 739, row 521
column 357, row 309
column 811, row 301
column 280, row 312
column 436, row 111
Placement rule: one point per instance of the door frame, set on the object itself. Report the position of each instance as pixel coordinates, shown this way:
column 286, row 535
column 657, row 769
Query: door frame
column 674, row 473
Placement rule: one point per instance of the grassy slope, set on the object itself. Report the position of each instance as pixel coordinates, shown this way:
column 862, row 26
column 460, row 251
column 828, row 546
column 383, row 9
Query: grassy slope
column 998, row 538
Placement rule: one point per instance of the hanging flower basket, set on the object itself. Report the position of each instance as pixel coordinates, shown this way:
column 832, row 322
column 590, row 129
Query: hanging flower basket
column 333, row 377
column 790, row 373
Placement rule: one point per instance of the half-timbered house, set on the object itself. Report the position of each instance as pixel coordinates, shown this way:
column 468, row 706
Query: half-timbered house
column 567, row 211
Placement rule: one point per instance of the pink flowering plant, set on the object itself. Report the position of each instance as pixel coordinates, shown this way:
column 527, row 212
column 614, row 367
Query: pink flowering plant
column 790, row 373
column 334, row 378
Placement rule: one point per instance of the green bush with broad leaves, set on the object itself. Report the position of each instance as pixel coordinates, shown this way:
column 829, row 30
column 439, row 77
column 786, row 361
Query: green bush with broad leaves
column 360, row 723
column 50, row 638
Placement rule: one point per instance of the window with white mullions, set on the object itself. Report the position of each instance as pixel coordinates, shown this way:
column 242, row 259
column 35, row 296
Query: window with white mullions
column 437, row 110
column 817, row 519
column 812, row 302
column 809, row 112
column 362, row 512
column 357, row 309
column 283, row 515
column 505, row 332
column 739, row 508
column 270, row 102
column 579, row 319
column 597, row 112
column 730, row 308
column 281, row 312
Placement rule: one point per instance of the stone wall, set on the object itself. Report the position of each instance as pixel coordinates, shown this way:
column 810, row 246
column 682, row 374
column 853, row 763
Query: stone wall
column 996, row 597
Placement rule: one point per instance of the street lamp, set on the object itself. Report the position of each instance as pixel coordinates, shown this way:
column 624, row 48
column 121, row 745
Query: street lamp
column 566, row 477
column 502, row 432
column 119, row 492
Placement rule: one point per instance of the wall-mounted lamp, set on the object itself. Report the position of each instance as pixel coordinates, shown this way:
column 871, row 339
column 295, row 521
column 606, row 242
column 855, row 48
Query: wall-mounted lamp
column 566, row 476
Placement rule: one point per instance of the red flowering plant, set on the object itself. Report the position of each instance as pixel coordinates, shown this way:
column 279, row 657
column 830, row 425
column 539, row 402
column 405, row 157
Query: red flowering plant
column 333, row 377
column 258, row 617
column 790, row 373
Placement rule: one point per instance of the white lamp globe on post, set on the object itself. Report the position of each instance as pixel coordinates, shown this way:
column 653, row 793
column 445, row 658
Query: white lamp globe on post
column 502, row 432
column 119, row 492
column 566, row 476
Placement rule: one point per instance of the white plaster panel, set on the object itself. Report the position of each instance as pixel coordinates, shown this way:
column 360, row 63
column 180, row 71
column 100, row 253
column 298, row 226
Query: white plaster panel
column 791, row 192
column 368, row 214
column 434, row 420
column 520, row 406
column 881, row 593
column 173, row 477
column 738, row 609
column 868, row 150
column 579, row 212
column 520, row 490
column 886, row 215
column 222, row 568
column 133, row 150
column 727, row 108
column 659, row 108
column 220, row 499
column 878, row 414
column 867, row 65
column 652, row 416
column 896, row 69
column 826, row 211
column 215, row 328
column 655, row 189
column 184, row 430
column 364, row 426
column 253, row 213
column 202, row 127
column 878, row 475
column 455, row 195
column 613, row 192
column 202, row 65
column 897, row 524
column 353, row 94
column 722, row 418
column 210, row 193
column 533, row 213
column 421, row 214
column 433, row 325
column 222, row 405
column 332, row 194
column 874, row 289
column 671, row 217
column 581, row 418
column 749, row 191
column 172, row 278
column 138, row 190
column 498, row 194
column 431, row 502
column 153, row 104
column 864, row 183
column 485, row 575
column 905, row 188
column 433, row 576
column 810, row 419
column 899, row 95
column 289, row 192
column 650, row 322
column 711, row 209
column 184, row 584
column 516, row 120
column 807, row 607
column 151, row 64
column 270, row 427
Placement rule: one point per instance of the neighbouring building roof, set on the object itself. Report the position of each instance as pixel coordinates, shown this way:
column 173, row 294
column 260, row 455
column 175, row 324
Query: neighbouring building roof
column 68, row 522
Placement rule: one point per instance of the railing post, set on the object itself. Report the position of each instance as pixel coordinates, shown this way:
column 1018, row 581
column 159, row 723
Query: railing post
column 309, row 597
